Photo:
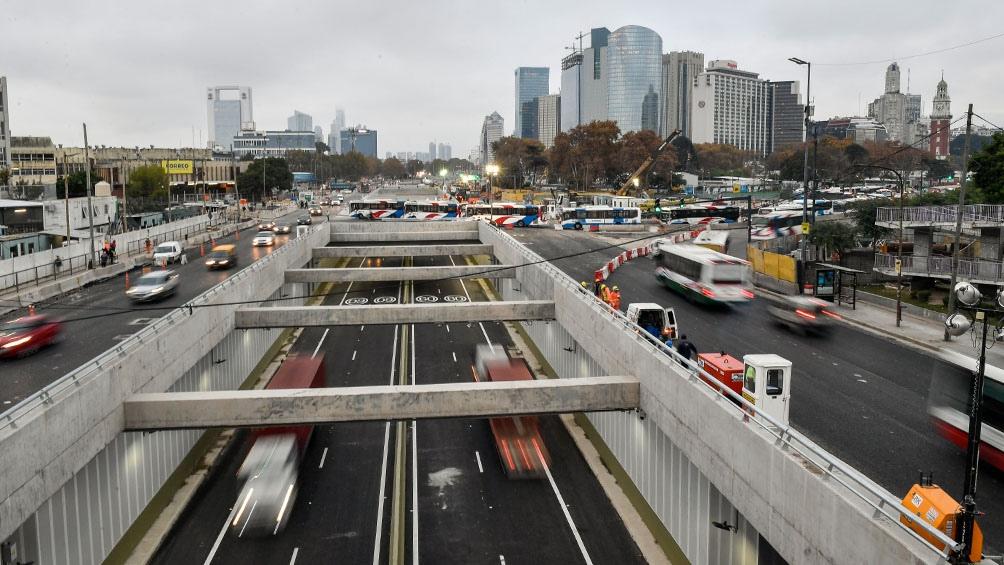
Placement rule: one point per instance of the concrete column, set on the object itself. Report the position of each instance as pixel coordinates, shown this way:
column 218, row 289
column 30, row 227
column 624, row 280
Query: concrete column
column 922, row 241
column 990, row 244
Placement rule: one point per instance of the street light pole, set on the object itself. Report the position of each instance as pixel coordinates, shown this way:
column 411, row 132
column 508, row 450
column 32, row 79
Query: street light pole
column 956, row 247
column 805, row 160
column 956, row 325
column 90, row 208
column 899, row 248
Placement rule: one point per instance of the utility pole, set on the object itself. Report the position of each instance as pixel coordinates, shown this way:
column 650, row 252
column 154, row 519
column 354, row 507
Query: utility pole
column 956, row 247
column 90, row 208
column 805, row 164
column 66, row 194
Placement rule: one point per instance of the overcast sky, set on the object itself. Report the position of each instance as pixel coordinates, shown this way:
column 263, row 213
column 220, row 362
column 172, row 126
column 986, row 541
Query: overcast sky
column 137, row 71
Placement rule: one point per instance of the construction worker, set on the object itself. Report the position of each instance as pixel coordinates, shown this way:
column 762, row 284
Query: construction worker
column 597, row 283
column 585, row 287
column 615, row 298
column 605, row 293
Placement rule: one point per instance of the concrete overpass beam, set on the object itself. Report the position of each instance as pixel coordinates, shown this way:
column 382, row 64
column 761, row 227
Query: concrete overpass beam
column 307, row 316
column 378, row 274
column 391, row 237
column 243, row 408
column 402, row 250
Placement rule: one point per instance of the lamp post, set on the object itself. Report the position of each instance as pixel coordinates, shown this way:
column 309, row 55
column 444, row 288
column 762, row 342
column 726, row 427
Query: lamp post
column 899, row 248
column 492, row 170
column 90, row 208
column 805, row 158
column 968, row 299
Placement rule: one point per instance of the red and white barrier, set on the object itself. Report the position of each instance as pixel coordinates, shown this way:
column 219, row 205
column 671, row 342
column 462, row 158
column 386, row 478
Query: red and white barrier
column 625, row 256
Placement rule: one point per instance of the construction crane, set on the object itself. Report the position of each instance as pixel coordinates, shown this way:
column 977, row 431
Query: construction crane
column 633, row 181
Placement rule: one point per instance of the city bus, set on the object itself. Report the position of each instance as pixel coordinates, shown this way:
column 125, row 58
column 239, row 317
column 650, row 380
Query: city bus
column 376, row 209
column 504, row 213
column 776, row 224
column 949, row 407
column 698, row 214
column 431, row 210
column 701, row 274
column 575, row 218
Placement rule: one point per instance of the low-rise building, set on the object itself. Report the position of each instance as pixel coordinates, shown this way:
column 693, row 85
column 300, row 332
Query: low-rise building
column 272, row 143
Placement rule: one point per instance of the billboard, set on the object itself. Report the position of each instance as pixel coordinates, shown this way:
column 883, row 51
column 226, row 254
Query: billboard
column 177, row 167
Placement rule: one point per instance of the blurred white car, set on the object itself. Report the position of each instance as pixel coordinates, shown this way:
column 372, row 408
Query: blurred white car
column 263, row 239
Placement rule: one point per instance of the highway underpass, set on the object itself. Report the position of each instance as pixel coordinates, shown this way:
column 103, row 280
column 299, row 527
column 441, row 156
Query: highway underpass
column 695, row 459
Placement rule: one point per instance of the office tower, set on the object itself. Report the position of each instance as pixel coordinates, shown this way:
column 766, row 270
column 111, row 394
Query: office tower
column 678, row 71
column 4, row 126
column 528, row 130
column 432, row 150
column 318, row 133
column 571, row 77
column 336, row 127
column 634, row 58
column 594, row 78
column 299, row 122
column 229, row 111
column 388, row 155
column 786, row 114
column 492, row 129
column 548, row 118
column 445, row 151
column 730, row 106
column 941, row 121
column 531, row 82
column 898, row 112
column 650, row 111
column 359, row 139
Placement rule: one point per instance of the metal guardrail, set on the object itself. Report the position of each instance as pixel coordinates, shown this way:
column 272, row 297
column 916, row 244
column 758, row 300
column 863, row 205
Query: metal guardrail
column 93, row 368
column 935, row 265
column 834, row 468
column 971, row 214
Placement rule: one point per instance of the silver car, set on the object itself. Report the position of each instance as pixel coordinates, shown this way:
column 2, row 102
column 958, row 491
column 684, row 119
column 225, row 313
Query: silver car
column 263, row 238
column 154, row 286
column 805, row 313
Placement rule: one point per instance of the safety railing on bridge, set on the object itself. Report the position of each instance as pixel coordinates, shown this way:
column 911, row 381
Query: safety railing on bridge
column 90, row 370
column 980, row 270
column 786, row 437
column 980, row 214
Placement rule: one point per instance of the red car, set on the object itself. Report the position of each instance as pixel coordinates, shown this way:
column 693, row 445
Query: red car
column 27, row 335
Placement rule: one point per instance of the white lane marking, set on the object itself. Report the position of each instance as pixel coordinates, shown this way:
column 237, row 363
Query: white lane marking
column 324, row 454
column 318, row 348
column 386, row 448
column 354, row 354
column 568, row 517
column 361, row 328
column 219, row 538
column 501, row 559
column 349, row 288
column 292, row 559
column 414, row 465
column 250, row 513
column 454, row 356
column 447, row 328
column 477, row 456
column 464, row 286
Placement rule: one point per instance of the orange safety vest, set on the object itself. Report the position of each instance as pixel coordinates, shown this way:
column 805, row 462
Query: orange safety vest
column 615, row 299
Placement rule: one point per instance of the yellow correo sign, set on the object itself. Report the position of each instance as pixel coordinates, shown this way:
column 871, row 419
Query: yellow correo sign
column 176, row 167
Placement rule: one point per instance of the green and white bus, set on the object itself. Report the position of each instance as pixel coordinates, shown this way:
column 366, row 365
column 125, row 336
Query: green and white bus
column 701, row 274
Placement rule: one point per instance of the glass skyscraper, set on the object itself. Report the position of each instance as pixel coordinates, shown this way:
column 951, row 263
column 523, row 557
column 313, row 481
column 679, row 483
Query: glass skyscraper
column 634, row 66
column 531, row 82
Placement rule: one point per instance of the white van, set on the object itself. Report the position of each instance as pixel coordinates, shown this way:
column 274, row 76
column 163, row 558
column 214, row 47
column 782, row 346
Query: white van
column 169, row 251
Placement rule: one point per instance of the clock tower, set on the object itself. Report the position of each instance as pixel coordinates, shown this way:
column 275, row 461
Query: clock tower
column 941, row 119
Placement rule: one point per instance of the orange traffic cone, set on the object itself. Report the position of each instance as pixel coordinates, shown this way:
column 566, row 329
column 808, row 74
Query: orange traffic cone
column 202, row 250
column 127, row 280
column 31, row 309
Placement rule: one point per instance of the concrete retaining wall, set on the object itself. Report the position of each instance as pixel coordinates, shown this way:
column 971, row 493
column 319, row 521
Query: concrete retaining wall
column 730, row 462
column 83, row 416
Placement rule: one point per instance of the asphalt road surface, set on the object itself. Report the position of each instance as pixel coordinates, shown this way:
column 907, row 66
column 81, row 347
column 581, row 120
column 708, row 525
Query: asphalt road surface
column 458, row 506
column 860, row 396
column 100, row 315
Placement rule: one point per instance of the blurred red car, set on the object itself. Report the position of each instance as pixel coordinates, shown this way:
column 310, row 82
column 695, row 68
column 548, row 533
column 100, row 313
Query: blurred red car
column 27, row 335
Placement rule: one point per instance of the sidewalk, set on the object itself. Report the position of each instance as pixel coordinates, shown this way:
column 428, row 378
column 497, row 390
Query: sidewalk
column 920, row 332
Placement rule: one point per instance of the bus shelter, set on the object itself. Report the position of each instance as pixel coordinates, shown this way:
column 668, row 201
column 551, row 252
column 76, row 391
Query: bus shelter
column 836, row 283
